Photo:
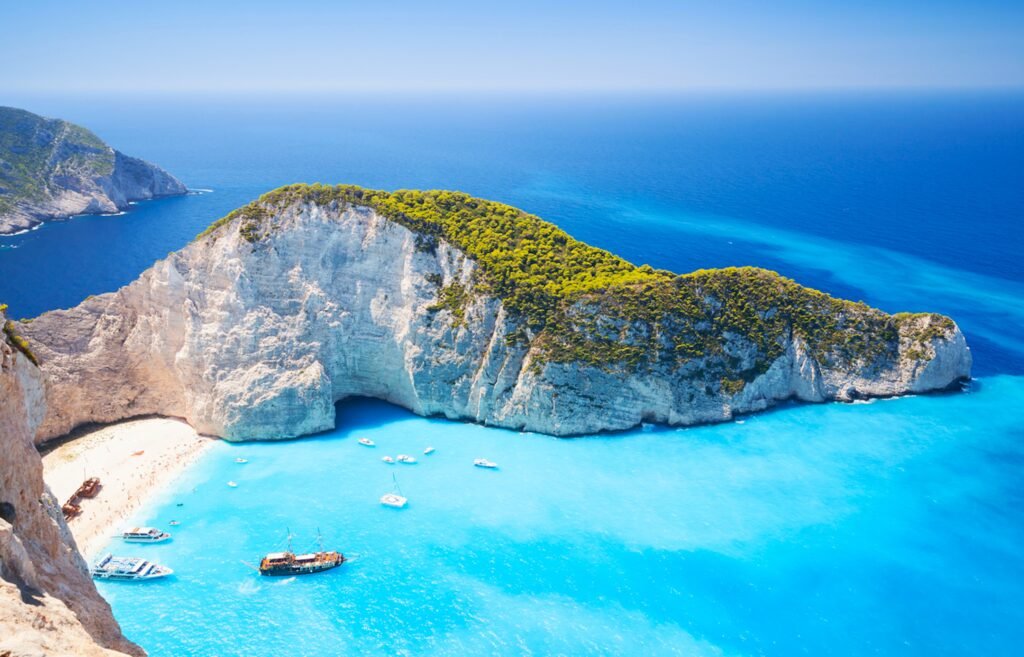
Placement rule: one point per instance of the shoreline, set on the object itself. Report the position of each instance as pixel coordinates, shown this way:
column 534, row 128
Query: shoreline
column 135, row 460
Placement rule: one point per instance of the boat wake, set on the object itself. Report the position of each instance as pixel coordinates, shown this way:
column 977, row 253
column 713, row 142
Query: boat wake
column 248, row 587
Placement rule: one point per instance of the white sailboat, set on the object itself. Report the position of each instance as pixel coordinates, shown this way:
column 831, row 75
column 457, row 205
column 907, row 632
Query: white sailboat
column 394, row 499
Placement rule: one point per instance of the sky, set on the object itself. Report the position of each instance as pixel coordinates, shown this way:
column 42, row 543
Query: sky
column 103, row 46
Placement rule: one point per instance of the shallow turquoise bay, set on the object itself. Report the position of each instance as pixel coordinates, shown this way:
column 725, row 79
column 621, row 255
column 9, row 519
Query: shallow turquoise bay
column 787, row 533
column 892, row 528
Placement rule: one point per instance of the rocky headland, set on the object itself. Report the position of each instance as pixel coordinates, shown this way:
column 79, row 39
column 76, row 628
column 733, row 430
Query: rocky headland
column 455, row 306
column 51, row 169
column 48, row 603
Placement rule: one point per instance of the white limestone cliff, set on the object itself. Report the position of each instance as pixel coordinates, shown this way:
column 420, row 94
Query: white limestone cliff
column 258, row 340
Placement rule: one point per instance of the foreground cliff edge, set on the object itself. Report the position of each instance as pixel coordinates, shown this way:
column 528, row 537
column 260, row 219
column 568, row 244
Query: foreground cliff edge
column 449, row 305
column 48, row 603
column 51, row 169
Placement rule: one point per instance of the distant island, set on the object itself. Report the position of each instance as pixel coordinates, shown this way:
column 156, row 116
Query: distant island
column 450, row 305
column 51, row 169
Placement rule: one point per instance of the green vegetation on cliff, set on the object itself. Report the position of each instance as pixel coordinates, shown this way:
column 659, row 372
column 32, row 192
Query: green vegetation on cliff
column 33, row 149
column 15, row 340
column 583, row 304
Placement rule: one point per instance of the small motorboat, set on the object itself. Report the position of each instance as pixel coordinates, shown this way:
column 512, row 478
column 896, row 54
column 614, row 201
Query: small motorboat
column 428, row 451
column 484, row 463
column 388, row 459
column 174, row 523
column 366, row 442
column 233, row 484
column 405, row 458
column 241, row 460
column 144, row 535
column 128, row 568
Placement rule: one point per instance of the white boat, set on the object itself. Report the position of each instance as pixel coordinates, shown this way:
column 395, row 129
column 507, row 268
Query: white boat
column 429, row 450
column 241, row 460
column 405, row 458
column 388, row 459
column 484, row 463
column 174, row 523
column 233, row 484
column 144, row 535
column 367, row 442
column 394, row 499
column 128, row 568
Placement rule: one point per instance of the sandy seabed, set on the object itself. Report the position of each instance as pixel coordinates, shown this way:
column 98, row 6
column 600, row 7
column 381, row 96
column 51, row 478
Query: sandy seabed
column 134, row 460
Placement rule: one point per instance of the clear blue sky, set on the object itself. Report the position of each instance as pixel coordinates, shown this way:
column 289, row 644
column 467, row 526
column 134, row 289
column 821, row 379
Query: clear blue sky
column 310, row 45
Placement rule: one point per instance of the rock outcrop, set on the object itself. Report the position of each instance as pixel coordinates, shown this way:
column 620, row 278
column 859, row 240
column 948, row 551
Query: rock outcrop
column 51, row 169
column 48, row 603
column 449, row 305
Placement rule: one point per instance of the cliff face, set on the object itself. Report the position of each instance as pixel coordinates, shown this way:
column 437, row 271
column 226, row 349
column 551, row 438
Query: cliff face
column 48, row 603
column 52, row 169
column 255, row 330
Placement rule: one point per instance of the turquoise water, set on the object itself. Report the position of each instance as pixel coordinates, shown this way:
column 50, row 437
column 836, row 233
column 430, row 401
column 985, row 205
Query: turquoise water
column 889, row 528
column 820, row 530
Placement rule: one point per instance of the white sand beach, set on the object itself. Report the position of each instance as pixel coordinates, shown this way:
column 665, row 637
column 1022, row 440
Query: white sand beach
column 134, row 460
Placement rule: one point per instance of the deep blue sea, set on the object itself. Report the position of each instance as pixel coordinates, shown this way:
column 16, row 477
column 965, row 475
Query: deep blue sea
column 888, row 528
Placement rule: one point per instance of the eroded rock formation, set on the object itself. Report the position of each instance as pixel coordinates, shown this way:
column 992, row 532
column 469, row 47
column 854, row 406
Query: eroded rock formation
column 48, row 603
column 311, row 295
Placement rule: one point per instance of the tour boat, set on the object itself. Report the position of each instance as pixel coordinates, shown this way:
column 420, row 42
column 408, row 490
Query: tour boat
column 277, row 564
column 429, row 450
column 405, row 458
column 366, row 442
column 394, row 499
column 233, row 484
column 128, row 568
column 144, row 535
column 484, row 463
column 241, row 460
column 388, row 459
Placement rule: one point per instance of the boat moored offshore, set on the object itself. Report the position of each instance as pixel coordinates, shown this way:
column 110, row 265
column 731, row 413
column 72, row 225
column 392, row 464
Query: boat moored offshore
column 144, row 535
column 128, row 568
column 278, row 564
column 394, row 499
column 366, row 442
column 484, row 463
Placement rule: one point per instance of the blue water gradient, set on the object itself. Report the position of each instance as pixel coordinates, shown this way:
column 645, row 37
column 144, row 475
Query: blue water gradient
column 889, row 528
